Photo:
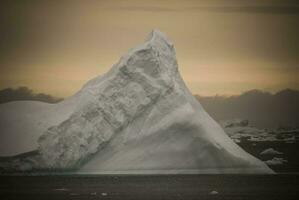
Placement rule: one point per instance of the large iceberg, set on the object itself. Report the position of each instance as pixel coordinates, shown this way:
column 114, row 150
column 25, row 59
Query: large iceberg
column 137, row 118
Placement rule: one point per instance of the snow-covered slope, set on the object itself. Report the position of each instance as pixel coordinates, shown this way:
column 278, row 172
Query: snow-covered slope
column 137, row 118
column 23, row 122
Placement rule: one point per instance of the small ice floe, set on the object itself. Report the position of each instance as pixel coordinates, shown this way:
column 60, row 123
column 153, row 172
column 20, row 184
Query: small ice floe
column 270, row 151
column 61, row 189
column 276, row 161
column 104, row 194
column 237, row 140
column 290, row 140
column 93, row 193
column 214, row 192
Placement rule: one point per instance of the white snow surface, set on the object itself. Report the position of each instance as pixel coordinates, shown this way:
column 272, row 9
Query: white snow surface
column 137, row 118
column 23, row 122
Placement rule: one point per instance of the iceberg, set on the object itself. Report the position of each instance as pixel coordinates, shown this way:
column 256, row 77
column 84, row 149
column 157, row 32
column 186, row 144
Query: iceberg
column 138, row 118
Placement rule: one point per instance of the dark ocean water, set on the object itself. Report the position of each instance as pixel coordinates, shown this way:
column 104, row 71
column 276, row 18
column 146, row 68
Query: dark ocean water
column 172, row 187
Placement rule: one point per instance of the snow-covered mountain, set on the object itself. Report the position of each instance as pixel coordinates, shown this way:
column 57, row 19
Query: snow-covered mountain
column 137, row 118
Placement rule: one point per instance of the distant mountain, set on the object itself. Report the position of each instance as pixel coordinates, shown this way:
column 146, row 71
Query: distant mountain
column 262, row 109
column 24, row 93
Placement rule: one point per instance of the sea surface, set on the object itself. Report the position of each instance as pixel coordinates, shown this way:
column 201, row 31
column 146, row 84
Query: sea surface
column 151, row 187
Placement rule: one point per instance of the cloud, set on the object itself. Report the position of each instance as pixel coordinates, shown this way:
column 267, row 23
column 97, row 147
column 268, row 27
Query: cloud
column 24, row 93
column 223, row 9
column 252, row 9
column 146, row 8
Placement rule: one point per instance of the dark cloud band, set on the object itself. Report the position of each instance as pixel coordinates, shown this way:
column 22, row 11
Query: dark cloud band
column 223, row 9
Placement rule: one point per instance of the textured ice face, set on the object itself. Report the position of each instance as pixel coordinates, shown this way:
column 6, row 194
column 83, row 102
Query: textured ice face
column 133, row 85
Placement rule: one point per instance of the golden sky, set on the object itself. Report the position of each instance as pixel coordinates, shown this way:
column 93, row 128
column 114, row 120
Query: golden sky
column 223, row 47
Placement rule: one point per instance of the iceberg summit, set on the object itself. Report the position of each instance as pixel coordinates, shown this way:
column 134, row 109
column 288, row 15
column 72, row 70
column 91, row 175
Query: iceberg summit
column 138, row 118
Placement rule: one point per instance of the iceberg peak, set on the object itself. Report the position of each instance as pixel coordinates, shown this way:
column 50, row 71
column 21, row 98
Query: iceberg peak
column 158, row 36
column 155, row 58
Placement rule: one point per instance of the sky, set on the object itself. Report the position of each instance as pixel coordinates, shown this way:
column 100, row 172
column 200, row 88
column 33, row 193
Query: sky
column 222, row 47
